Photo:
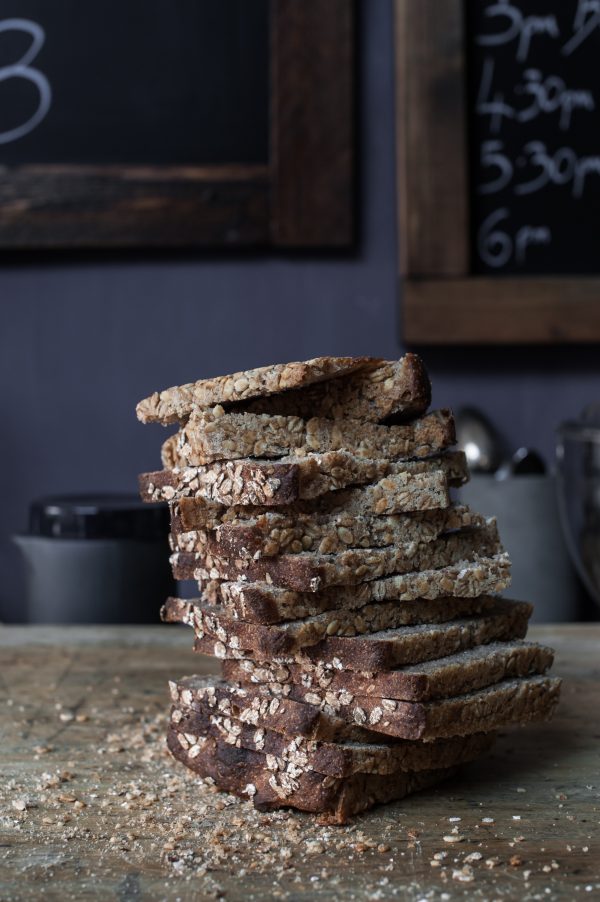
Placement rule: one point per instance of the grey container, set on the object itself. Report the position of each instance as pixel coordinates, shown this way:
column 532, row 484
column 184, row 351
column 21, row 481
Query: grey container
column 96, row 559
column 528, row 519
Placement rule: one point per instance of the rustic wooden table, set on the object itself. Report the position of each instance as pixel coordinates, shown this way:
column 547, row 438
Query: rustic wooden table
column 92, row 807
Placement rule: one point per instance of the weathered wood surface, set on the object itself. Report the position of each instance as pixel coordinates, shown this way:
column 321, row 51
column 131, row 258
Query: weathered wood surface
column 487, row 310
column 431, row 139
column 92, row 807
column 312, row 123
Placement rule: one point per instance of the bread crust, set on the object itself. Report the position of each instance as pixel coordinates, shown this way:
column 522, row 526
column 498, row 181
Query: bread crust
column 310, row 572
column 334, row 759
column 215, row 435
column 244, row 773
column 455, row 674
column 175, row 404
column 387, row 650
column 261, row 603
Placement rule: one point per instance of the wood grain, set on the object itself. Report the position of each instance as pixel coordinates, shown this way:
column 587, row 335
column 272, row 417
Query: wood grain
column 304, row 197
column 431, row 138
column 91, row 806
column 501, row 310
column 312, row 124
column 118, row 206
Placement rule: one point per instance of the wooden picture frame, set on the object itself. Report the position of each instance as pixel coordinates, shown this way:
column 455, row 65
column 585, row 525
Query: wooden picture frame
column 303, row 197
column 442, row 303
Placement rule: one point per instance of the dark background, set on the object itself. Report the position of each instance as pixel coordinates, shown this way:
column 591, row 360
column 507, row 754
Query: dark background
column 81, row 342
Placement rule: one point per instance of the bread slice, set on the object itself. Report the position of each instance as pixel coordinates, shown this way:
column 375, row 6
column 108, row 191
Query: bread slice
column 261, row 603
column 297, row 634
column 177, row 403
column 274, row 533
column 258, row 709
column 310, row 572
column 489, row 708
column 333, row 759
column 411, row 486
column 245, row 774
column 385, row 650
column 397, row 389
column 215, row 435
column 263, row 482
column 455, row 674
column 514, row 701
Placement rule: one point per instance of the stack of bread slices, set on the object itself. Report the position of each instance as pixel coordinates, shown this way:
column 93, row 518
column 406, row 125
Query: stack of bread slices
column 355, row 606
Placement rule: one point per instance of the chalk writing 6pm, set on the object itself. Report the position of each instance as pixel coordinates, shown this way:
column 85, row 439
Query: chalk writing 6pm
column 534, row 95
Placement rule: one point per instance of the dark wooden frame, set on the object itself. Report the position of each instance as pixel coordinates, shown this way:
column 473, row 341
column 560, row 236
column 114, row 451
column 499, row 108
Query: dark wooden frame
column 304, row 197
column 442, row 303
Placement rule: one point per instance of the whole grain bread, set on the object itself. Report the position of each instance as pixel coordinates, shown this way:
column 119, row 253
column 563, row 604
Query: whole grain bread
column 397, row 389
column 259, row 709
column 177, row 403
column 297, row 634
column 273, row 533
column 492, row 707
column 244, row 773
column 215, row 435
column 385, row 650
column 263, row 482
column 310, row 572
column 261, row 603
column 509, row 702
column 455, row 674
column 412, row 486
column 333, row 759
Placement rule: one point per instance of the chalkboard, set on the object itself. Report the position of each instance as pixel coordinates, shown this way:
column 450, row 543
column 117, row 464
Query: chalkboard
column 176, row 123
column 533, row 75
column 134, row 81
column 498, row 143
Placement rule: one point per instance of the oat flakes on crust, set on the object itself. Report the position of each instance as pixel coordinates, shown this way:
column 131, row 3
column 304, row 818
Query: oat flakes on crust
column 396, row 389
column 262, row 603
column 333, row 759
column 215, row 435
column 455, row 674
column 310, row 572
column 175, row 404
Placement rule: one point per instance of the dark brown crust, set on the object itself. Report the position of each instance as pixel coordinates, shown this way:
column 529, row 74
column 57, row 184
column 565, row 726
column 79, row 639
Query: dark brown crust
column 520, row 700
column 309, row 572
column 389, row 649
column 491, row 708
column 235, row 770
column 261, row 603
column 334, row 759
column 293, row 636
column 254, row 706
column 453, row 675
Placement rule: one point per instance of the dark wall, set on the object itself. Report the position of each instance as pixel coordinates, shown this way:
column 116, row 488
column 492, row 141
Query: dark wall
column 81, row 343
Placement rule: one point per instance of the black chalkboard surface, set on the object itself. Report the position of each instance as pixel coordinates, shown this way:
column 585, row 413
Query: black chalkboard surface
column 134, row 81
column 534, row 135
column 176, row 124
